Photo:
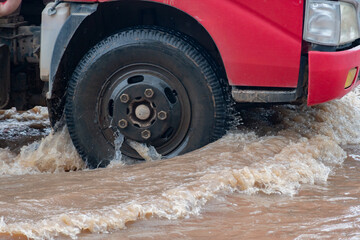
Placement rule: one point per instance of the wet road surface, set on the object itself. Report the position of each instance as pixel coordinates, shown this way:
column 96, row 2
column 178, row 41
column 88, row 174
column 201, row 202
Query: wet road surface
column 287, row 172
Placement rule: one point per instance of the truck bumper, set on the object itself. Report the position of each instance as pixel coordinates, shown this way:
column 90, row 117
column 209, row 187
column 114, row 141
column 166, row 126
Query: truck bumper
column 328, row 72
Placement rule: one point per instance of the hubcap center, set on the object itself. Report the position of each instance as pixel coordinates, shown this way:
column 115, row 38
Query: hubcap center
column 142, row 112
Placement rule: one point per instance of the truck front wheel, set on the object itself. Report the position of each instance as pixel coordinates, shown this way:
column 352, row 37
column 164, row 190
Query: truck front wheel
column 152, row 85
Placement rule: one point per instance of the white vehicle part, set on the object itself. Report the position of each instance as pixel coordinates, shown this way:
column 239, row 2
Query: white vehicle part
column 330, row 23
column 50, row 28
column 349, row 24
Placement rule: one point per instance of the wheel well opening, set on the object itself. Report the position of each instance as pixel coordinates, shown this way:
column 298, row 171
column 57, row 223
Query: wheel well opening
column 111, row 17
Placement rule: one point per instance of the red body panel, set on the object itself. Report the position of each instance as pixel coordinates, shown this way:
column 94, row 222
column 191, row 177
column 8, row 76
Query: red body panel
column 259, row 41
column 328, row 72
column 260, row 45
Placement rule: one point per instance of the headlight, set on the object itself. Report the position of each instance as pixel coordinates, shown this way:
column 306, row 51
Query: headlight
column 330, row 23
column 349, row 23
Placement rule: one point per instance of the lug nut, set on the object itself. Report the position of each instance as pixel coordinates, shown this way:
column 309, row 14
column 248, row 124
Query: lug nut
column 149, row 93
column 146, row 134
column 123, row 123
column 162, row 115
column 124, row 98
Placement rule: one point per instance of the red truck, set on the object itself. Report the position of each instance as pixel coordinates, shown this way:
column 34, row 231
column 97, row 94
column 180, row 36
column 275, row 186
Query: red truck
column 165, row 72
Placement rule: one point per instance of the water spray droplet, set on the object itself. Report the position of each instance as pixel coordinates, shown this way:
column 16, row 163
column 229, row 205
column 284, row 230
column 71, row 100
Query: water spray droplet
column 119, row 139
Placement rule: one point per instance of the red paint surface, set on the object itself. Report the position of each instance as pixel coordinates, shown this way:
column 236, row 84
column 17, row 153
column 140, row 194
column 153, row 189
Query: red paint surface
column 259, row 41
column 328, row 72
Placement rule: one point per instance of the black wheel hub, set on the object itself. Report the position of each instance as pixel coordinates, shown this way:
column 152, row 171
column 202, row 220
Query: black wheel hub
column 142, row 111
column 147, row 104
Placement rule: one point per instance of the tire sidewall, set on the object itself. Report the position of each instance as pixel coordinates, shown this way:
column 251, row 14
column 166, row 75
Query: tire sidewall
column 177, row 56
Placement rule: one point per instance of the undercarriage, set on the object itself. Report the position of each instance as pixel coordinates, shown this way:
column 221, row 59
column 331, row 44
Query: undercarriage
column 19, row 58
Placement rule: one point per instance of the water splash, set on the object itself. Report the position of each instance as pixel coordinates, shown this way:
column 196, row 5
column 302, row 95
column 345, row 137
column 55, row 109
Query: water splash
column 303, row 146
column 54, row 153
column 147, row 153
column 119, row 139
column 36, row 113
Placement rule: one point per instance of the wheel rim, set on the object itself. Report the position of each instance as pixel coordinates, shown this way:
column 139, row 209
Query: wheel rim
column 145, row 103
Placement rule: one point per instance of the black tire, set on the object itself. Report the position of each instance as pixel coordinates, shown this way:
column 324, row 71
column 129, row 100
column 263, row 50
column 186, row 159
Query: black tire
column 182, row 80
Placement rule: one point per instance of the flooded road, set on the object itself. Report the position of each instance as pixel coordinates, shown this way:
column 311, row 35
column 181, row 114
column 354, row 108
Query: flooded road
column 287, row 172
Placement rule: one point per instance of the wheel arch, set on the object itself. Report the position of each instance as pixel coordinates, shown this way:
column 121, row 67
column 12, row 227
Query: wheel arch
column 100, row 24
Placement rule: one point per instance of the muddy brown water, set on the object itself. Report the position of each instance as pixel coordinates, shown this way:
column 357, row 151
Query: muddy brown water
column 286, row 172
